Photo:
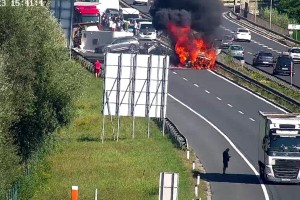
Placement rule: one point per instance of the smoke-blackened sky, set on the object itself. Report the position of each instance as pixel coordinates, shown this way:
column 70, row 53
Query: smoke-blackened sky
column 203, row 15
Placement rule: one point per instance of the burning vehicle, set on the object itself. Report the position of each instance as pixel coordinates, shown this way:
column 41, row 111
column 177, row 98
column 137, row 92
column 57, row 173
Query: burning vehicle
column 190, row 25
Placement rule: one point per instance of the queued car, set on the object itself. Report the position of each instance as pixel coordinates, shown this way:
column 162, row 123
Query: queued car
column 119, row 44
column 294, row 52
column 140, row 2
column 242, row 34
column 146, row 30
column 263, row 58
column 236, row 51
column 284, row 65
column 226, row 41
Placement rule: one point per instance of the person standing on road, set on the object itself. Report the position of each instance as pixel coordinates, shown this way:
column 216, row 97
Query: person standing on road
column 97, row 68
column 226, row 158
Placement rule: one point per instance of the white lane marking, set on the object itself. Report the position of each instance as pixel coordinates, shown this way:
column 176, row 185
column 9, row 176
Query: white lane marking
column 271, row 48
column 219, row 98
column 253, row 31
column 265, row 46
column 229, row 105
column 263, row 186
column 252, row 119
column 184, row 79
column 207, row 91
column 241, row 112
column 249, row 52
column 242, row 88
column 196, row 85
column 174, row 73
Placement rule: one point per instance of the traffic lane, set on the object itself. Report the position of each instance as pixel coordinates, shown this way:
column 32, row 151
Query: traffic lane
column 239, row 182
column 252, row 48
column 237, row 127
column 208, row 84
column 256, row 37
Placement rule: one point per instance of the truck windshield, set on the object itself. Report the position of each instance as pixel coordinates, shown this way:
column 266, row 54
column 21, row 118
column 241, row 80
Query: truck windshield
column 285, row 143
column 128, row 16
column 89, row 18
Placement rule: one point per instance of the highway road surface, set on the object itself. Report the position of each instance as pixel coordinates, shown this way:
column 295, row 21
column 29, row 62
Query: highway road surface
column 215, row 114
column 233, row 113
column 258, row 43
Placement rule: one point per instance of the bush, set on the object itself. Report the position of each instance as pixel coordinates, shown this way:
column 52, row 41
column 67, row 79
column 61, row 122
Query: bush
column 280, row 19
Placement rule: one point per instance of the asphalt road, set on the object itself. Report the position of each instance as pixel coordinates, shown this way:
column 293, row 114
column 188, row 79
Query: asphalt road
column 235, row 112
column 258, row 43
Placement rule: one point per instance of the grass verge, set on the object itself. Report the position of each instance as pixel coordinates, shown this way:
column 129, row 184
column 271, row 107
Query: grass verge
column 127, row 169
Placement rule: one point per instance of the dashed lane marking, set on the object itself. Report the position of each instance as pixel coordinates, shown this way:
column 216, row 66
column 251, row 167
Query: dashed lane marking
column 184, row 79
column 174, row 73
column 219, row 98
column 207, row 91
column 241, row 112
column 196, row 85
column 252, row 119
column 229, row 105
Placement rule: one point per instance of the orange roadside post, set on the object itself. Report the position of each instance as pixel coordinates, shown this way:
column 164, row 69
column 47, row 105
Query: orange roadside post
column 74, row 193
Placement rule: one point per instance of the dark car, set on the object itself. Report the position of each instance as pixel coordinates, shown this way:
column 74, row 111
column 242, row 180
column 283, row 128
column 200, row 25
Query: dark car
column 263, row 58
column 284, row 65
column 119, row 44
column 226, row 41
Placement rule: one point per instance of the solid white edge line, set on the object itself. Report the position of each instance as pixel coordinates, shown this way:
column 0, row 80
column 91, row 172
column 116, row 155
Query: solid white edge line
column 263, row 186
column 279, row 108
column 196, row 85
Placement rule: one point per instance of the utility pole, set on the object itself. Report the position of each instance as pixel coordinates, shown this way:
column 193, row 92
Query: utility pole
column 271, row 7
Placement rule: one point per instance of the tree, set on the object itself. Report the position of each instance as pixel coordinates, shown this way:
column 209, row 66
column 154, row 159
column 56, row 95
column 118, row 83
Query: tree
column 291, row 7
column 44, row 80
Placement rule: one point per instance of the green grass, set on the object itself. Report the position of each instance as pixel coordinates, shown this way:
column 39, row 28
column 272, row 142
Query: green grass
column 128, row 169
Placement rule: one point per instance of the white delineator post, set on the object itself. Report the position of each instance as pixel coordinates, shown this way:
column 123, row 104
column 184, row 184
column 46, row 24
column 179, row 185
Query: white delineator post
column 193, row 165
column 188, row 154
column 198, row 179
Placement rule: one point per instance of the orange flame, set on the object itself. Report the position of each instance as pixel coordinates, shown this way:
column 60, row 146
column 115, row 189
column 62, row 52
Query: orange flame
column 192, row 50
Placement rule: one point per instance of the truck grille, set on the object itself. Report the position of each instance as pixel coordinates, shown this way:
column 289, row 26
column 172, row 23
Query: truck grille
column 286, row 168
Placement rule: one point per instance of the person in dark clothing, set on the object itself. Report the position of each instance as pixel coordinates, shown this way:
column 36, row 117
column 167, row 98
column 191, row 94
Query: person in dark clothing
column 225, row 160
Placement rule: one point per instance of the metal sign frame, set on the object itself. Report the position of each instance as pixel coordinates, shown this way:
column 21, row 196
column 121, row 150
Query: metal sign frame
column 127, row 94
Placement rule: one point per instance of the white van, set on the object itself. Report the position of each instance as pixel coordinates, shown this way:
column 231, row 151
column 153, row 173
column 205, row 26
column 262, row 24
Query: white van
column 130, row 13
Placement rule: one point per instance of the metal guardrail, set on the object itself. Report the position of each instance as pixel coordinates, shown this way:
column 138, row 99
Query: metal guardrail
column 177, row 138
column 258, row 84
column 267, row 29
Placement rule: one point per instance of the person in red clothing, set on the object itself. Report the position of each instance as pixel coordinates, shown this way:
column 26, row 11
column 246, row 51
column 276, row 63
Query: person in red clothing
column 97, row 68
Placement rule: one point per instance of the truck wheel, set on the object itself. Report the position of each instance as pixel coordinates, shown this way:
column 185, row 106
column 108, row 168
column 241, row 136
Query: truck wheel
column 106, row 50
column 132, row 48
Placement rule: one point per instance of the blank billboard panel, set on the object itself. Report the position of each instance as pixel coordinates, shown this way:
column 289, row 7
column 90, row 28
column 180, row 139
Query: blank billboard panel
column 135, row 85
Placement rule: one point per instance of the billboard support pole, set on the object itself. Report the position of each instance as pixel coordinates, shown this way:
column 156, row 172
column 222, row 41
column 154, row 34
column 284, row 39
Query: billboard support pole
column 148, row 94
column 118, row 93
column 163, row 95
column 132, row 95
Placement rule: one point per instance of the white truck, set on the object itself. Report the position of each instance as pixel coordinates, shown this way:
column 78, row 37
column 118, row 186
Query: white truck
column 279, row 147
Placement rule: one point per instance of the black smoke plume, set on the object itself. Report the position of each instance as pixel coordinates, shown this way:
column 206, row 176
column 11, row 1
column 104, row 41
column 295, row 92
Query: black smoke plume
column 203, row 16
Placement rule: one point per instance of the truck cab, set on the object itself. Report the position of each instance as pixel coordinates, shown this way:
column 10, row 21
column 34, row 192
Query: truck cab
column 86, row 14
column 279, row 147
